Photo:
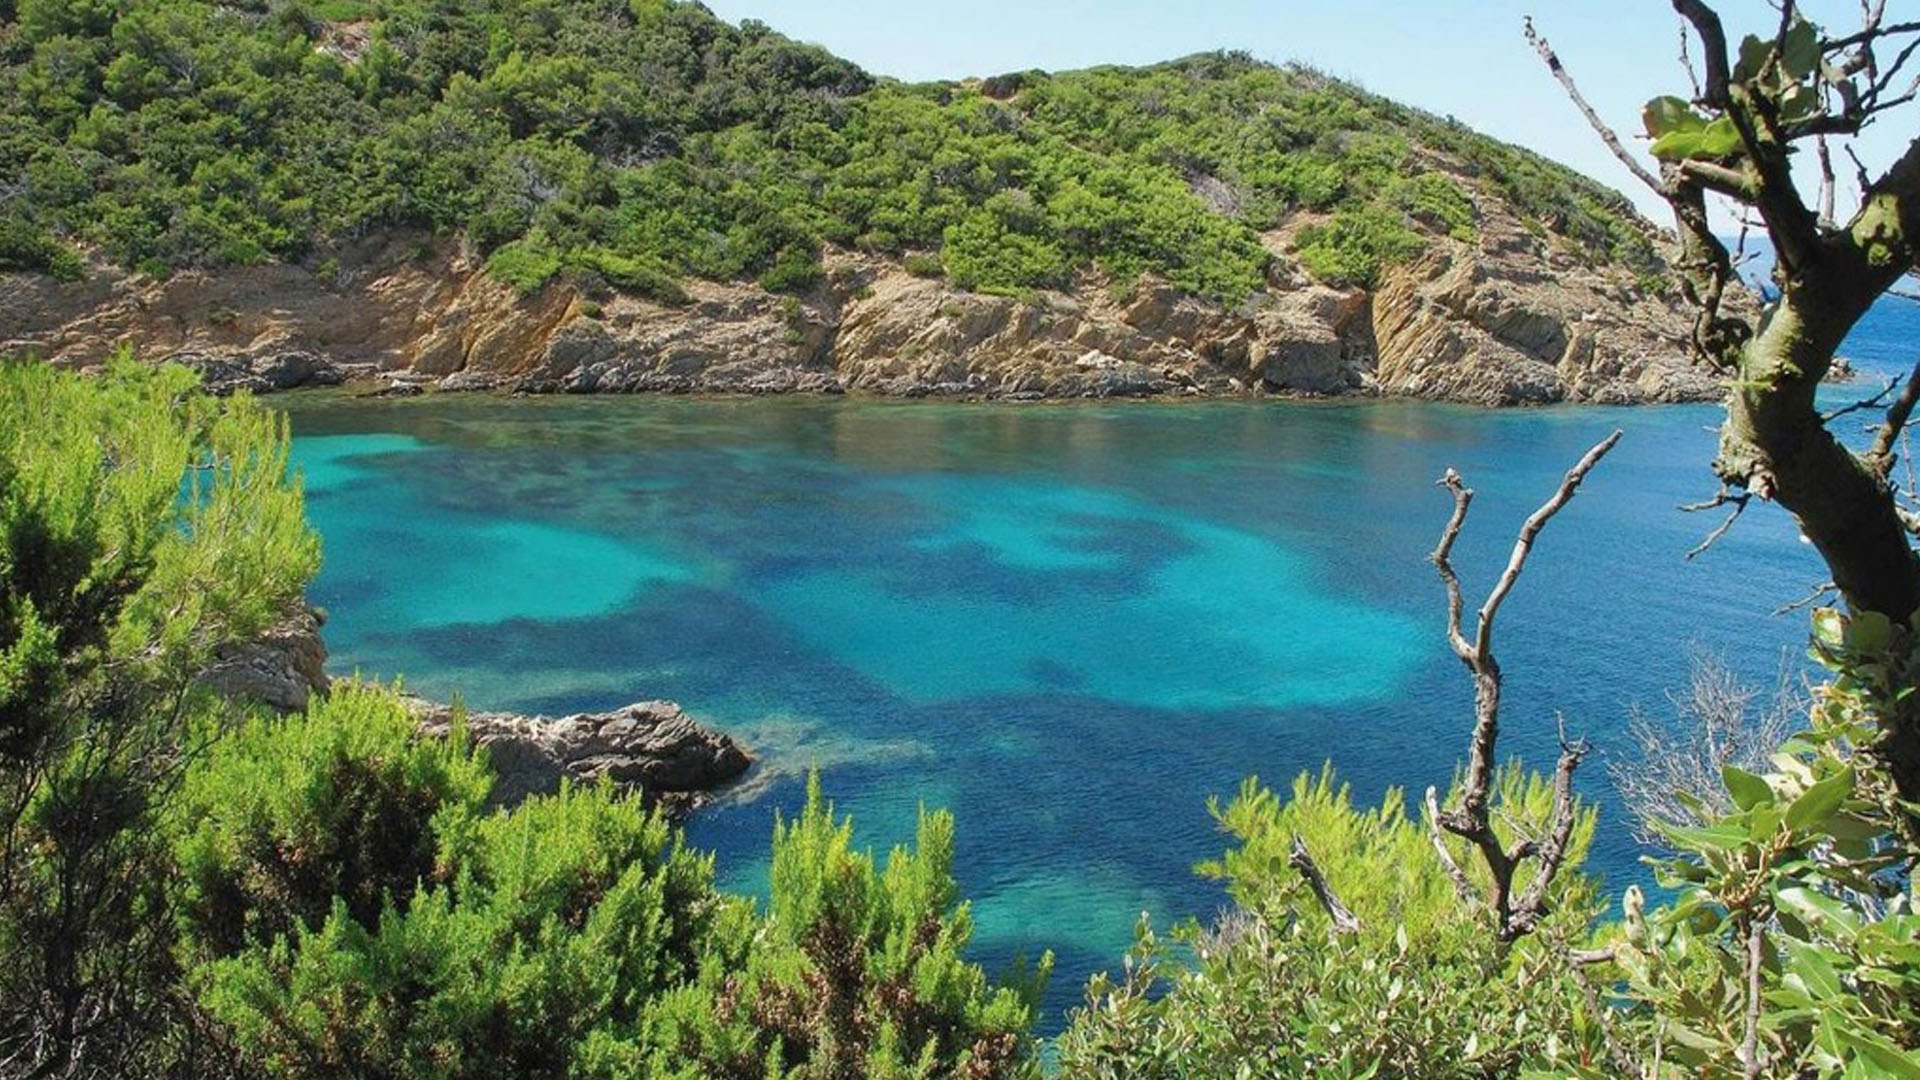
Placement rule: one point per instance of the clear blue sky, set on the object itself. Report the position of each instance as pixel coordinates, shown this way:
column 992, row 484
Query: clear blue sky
column 1466, row 58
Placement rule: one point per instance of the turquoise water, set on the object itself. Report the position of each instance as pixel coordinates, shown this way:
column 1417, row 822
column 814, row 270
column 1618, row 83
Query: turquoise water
column 1069, row 624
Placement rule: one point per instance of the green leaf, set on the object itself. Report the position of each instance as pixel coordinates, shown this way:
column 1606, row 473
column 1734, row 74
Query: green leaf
column 1868, row 631
column 1716, row 140
column 1712, row 838
column 1664, row 115
column 1812, row 969
column 1748, row 790
column 1801, row 53
column 1754, row 53
column 1887, row 1058
column 1829, row 627
column 1819, row 802
column 1817, row 908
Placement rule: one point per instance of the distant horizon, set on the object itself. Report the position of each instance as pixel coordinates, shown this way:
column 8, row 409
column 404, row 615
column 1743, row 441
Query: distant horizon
column 1388, row 47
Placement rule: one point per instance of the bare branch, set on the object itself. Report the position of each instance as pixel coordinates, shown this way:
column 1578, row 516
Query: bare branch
column 1813, row 597
column 1606, row 133
column 1458, row 876
column 1470, row 820
column 1713, row 49
column 1344, row 921
column 1524, row 545
column 1880, row 455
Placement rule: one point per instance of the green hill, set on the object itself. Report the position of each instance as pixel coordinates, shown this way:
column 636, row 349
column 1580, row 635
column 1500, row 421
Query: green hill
column 648, row 141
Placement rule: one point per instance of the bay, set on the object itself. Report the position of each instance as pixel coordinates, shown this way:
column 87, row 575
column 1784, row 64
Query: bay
column 1070, row 624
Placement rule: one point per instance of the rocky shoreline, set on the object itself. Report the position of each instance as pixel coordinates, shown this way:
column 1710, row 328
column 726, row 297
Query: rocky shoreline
column 652, row 748
column 1512, row 318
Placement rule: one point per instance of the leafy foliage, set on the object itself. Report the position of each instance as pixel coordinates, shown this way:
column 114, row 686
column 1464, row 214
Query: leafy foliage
column 142, row 527
column 351, row 911
column 1792, row 950
column 1422, row 989
column 652, row 138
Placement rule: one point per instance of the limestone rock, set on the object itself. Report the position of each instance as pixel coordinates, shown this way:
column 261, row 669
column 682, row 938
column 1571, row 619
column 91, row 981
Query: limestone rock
column 651, row 747
column 1509, row 319
column 283, row 670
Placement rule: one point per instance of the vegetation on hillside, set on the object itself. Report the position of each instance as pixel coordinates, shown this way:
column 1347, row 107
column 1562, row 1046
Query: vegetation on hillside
column 642, row 141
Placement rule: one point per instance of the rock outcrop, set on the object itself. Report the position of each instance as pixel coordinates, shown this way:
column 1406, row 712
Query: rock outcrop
column 283, row 670
column 651, row 747
column 1509, row 319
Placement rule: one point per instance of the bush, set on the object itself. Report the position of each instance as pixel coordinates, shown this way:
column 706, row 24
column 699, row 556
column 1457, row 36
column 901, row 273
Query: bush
column 526, row 264
column 1353, row 247
column 1424, row 988
column 143, row 526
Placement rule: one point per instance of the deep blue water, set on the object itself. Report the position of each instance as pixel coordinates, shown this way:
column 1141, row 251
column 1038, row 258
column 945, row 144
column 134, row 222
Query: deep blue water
column 1069, row 624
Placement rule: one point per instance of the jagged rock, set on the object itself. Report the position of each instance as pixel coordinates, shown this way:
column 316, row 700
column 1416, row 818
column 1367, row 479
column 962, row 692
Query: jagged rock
column 1508, row 319
column 651, row 746
column 283, row 670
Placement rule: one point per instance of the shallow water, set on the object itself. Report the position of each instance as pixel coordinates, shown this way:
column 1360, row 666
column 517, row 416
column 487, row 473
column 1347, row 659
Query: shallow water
column 1069, row 624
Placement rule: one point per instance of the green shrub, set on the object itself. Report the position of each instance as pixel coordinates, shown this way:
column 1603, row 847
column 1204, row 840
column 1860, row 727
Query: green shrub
column 143, row 526
column 642, row 276
column 856, row 971
column 920, row 264
column 1424, row 988
column 526, row 264
column 1353, row 247
column 285, row 819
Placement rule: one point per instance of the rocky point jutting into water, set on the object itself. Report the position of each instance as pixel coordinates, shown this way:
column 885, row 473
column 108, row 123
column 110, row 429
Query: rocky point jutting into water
column 649, row 747
column 1509, row 319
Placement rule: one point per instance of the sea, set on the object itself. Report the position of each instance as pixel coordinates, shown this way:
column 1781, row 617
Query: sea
column 1072, row 625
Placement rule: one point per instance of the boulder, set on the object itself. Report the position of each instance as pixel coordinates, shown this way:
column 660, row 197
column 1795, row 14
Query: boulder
column 652, row 747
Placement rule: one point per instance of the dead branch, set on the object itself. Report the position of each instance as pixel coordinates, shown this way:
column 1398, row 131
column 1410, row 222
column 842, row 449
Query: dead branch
column 1880, row 455
column 1606, row 133
column 1724, row 498
column 1344, row 921
column 1471, row 820
column 1813, row 597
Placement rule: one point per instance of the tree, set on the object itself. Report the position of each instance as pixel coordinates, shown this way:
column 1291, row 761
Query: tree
column 143, row 525
column 1753, row 114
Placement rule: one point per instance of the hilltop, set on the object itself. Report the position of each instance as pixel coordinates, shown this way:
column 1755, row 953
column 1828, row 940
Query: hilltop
column 563, row 194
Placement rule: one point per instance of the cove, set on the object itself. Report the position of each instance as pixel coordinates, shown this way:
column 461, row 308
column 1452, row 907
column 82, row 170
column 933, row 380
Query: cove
column 1070, row 624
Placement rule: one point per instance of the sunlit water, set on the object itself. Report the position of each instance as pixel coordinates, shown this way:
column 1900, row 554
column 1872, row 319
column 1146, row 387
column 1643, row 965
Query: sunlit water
column 1071, row 625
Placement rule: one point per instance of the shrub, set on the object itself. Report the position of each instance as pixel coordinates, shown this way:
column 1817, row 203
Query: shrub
column 526, row 264
column 1353, row 247
column 286, row 819
column 1422, row 989
column 143, row 525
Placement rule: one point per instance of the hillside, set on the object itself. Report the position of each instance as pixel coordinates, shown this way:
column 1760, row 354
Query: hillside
column 652, row 170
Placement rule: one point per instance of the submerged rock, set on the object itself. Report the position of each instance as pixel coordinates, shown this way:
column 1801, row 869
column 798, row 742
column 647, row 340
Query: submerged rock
column 652, row 747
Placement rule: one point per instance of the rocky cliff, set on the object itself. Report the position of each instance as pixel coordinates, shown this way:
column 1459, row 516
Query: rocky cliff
column 1511, row 318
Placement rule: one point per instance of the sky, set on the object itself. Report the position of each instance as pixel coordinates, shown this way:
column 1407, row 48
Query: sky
column 1465, row 58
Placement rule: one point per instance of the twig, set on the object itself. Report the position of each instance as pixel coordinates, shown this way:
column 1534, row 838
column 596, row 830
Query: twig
column 1725, row 498
column 1750, row 1045
column 1880, row 455
column 1808, row 600
column 1458, row 876
column 1606, row 133
column 1344, row 921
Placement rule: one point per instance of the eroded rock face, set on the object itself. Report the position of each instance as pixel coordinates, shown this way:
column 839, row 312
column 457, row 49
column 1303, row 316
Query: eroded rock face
column 283, row 670
column 651, row 747
column 1509, row 319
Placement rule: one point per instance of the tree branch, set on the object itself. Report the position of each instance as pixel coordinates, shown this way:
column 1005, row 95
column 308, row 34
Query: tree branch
column 1606, row 133
column 1470, row 820
column 1344, row 921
